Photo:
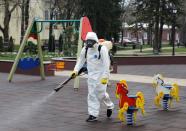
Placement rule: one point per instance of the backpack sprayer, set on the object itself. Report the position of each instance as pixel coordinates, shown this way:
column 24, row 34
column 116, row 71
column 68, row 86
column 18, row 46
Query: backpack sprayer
column 61, row 85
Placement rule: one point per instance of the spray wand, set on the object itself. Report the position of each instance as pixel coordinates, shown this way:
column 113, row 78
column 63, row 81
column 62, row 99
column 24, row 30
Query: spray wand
column 61, row 85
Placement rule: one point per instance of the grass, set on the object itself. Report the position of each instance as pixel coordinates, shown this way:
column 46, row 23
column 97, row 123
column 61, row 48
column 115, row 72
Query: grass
column 181, row 49
column 47, row 56
column 7, row 56
column 16, row 47
column 12, row 57
column 120, row 47
column 177, row 50
column 146, row 51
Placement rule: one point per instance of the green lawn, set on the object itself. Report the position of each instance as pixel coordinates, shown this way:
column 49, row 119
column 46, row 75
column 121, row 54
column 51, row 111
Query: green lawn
column 177, row 50
column 16, row 47
column 120, row 47
column 181, row 49
column 7, row 57
column 12, row 56
column 123, row 51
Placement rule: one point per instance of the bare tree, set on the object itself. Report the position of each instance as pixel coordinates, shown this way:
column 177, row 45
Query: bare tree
column 9, row 6
column 24, row 16
column 126, row 17
column 69, row 9
column 51, row 44
column 182, row 22
column 62, row 9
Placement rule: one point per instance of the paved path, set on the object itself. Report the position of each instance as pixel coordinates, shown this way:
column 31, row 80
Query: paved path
column 145, row 73
column 131, row 78
column 170, row 71
column 29, row 104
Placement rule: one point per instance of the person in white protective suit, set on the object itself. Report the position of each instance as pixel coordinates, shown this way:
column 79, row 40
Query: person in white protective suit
column 98, row 75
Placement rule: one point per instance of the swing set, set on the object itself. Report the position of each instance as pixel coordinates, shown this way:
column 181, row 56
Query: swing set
column 33, row 32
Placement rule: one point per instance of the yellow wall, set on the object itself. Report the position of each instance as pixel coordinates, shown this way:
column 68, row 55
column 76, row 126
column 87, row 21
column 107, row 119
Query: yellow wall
column 37, row 9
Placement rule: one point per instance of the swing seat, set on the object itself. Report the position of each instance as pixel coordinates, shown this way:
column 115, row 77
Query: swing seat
column 28, row 63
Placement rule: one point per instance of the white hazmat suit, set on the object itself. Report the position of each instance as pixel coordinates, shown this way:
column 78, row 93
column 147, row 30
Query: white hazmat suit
column 97, row 69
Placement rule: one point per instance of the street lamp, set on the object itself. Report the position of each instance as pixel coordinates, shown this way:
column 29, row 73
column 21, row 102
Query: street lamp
column 173, row 31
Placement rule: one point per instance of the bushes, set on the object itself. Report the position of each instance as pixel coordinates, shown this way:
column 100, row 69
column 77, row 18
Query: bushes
column 60, row 45
column 51, row 43
column 30, row 48
column 9, row 47
column 70, row 42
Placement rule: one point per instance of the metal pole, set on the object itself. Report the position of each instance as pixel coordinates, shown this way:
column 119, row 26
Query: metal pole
column 54, row 21
column 42, row 72
column 76, row 81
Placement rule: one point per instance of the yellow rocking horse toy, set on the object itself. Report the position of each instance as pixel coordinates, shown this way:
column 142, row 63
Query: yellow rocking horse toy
column 166, row 93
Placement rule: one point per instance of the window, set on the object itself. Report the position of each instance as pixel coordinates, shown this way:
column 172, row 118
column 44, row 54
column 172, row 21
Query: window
column 47, row 14
column 145, row 35
column 168, row 36
column 177, row 37
column 128, row 35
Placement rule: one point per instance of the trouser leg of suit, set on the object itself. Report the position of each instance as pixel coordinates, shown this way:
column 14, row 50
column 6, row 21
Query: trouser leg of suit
column 96, row 94
column 92, row 100
column 104, row 96
column 108, row 102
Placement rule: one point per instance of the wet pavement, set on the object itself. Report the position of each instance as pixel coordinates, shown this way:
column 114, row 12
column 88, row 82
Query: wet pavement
column 29, row 104
column 173, row 71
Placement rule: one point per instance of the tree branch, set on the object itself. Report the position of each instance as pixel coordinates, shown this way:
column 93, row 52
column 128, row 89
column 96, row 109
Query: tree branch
column 1, row 28
column 13, row 8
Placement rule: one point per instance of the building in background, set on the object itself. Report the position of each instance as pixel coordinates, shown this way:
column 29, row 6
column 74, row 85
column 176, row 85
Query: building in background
column 130, row 33
column 38, row 9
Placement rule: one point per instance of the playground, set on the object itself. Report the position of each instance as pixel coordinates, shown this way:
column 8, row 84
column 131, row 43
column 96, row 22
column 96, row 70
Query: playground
column 29, row 103
column 33, row 103
column 109, row 65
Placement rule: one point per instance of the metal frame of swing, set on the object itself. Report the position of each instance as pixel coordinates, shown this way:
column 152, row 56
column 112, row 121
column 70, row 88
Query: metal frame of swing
column 56, row 66
column 31, row 25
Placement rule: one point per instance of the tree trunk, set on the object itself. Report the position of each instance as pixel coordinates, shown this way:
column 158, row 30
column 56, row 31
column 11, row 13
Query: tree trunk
column 27, row 13
column 25, row 17
column 142, row 37
column 183, row 32
column 6, row 37
column 161, row 26
column 173, row 30
column 7, row 17
column 156, row 37
column 149, row 35
column 22, row 20
column 50, row 32
column 6, row 24
column 160, row 34
column 122, row 35
column 156, row 40
column 136, row 33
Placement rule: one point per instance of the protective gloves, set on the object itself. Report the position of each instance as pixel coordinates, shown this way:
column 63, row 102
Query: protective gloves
column 104, row 81
column 74, row 74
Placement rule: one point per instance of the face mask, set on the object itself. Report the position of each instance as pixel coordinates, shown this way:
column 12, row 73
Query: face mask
column 90, row 43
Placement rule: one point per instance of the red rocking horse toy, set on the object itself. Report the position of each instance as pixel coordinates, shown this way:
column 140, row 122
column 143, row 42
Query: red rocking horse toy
column 130, row 104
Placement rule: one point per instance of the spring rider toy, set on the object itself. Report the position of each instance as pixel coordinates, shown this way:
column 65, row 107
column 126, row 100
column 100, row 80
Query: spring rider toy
column 130, row 104
column 166, row 93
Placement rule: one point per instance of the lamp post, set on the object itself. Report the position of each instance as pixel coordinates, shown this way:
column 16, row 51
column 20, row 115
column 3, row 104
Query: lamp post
column 173, row 30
